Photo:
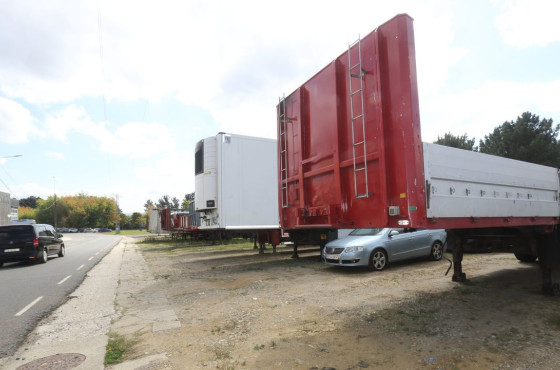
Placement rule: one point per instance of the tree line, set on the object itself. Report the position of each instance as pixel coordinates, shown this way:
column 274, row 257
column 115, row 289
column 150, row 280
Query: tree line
column 167, row 202
column 528, row 138
column 79, row 211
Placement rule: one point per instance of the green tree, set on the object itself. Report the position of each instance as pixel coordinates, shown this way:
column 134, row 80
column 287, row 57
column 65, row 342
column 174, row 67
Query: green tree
column 149, row 205
column 164, row 202
column 527, row 139
column 187, row 200
column 30, row 202
column 137, row 220
column 27, row 213
column 461, row 142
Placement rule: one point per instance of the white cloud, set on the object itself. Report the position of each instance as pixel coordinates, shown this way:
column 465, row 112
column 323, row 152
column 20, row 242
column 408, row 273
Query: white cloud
column 131, row 140
column 16, row 122
column 489, row 106
column 525, row 23
column 138, row 140
column 56, row 155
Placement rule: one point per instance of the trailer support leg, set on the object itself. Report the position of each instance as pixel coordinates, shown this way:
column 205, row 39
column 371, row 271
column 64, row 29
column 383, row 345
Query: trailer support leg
column 548, row 250
column 458, row 274
column 295, row 254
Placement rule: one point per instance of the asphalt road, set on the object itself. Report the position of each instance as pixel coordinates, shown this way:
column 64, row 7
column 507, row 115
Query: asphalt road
column 28, row 292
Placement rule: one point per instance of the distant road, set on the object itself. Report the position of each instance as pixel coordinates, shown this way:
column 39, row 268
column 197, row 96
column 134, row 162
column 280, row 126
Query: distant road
column 29, row 292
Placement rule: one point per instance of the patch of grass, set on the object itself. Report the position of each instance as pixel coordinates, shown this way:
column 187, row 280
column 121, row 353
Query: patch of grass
column 555, row 322
column 129, row 232
column 258, row 347
column 162, row 276
column 116, row 348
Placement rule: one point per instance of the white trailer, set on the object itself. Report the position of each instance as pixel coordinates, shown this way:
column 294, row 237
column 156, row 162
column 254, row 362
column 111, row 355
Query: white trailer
column 463, row 187
column 154, row 222
column 236, row 183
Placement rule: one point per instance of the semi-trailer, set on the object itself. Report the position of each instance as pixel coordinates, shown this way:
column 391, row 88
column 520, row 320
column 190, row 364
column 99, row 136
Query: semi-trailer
column 236, row 186
column 350, row 155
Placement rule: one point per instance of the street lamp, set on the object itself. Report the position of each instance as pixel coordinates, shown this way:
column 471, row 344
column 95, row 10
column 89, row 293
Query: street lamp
column 12, row 156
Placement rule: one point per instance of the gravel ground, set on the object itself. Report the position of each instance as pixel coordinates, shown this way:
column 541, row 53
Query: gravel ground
column 216, row 308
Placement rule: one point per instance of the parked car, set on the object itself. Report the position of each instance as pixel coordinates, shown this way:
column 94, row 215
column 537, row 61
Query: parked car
column 376, row 247
column 33, row 242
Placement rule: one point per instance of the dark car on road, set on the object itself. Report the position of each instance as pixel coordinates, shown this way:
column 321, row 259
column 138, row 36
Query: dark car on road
column 34, row 243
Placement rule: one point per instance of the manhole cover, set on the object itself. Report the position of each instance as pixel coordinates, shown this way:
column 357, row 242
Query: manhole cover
column 61, row 361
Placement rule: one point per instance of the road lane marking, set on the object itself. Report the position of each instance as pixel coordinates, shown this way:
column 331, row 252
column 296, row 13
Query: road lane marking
column 63, row 280
column 90, row 258
column 24, row 310
column 79, row 268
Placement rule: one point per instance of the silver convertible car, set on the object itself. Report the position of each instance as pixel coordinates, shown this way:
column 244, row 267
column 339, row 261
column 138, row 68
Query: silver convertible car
column 375, row 248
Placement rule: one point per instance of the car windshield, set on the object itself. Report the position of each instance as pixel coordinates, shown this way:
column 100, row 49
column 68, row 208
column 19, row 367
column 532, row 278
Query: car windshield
column 362, row 232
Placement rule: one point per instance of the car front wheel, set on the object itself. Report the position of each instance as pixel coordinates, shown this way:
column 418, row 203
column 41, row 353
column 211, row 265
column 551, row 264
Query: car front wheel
column 437, row 251
column 377, row 260
column 62, row 251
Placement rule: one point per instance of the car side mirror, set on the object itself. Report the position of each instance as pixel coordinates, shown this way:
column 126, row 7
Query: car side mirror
column 393, row 233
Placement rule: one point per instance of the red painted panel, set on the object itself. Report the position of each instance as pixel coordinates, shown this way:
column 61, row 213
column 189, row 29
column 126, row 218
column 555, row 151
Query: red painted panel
column 316, row 143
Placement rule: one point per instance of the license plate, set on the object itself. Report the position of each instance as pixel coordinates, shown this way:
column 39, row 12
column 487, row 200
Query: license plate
column 332, row 256
column 11, row 250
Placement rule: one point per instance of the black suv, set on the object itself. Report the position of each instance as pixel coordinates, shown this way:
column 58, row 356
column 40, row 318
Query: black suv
column 34, row 242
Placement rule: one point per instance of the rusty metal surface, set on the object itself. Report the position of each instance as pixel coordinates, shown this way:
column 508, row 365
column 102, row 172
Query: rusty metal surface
column 60, row 361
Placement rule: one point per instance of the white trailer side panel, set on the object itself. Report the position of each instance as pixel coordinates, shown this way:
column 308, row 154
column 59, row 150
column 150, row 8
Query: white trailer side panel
column 463, row 183
column 246, row 184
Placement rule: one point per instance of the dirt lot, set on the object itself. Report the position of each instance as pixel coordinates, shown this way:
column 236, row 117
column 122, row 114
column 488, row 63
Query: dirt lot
column 241, row 310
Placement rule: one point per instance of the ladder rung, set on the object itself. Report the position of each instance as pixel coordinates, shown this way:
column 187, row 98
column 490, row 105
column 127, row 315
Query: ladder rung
column 359, row 169
column 357, row 117
column 359, row 143
column 356, row 92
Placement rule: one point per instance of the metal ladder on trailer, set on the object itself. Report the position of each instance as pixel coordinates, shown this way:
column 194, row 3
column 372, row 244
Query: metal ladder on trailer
column 357, row 116
column 282, row 120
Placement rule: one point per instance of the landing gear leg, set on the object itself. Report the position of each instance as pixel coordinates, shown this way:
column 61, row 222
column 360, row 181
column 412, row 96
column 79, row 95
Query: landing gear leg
column 295, row 254
column 458, row 274
column 548, row 250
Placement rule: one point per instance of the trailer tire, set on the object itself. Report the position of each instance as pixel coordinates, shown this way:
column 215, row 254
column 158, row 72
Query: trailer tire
column 525, row 257
column 378, row 260
column 437, row 251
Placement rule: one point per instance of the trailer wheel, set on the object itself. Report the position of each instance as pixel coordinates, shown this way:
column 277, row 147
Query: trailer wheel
column 525, row 257
column 378, row 260
column 437, row 251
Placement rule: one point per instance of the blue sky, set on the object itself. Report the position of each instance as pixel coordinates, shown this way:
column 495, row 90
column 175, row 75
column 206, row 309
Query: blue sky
column 110, row 97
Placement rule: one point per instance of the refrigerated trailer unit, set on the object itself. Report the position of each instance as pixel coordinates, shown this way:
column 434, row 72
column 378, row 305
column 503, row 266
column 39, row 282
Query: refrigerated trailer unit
column 350, row 155
column 236, row 184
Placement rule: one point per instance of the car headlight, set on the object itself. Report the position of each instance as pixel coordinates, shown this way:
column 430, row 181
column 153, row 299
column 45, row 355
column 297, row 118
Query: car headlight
column 353, row 249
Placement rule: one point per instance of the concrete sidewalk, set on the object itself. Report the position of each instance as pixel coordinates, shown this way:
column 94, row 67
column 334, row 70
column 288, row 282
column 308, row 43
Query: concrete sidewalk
column 75, row 335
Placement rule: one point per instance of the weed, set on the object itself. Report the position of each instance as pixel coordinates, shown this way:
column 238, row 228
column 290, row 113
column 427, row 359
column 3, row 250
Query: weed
column 258, row 347
column 222, row 352
column 116, row 348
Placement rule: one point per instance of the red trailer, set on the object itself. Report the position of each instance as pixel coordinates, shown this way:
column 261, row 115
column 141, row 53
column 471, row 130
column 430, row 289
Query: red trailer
column 350, row 155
